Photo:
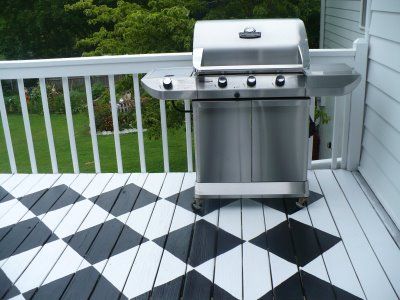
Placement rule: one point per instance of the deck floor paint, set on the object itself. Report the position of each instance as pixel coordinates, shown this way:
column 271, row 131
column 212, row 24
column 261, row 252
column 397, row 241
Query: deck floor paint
column 135, row 236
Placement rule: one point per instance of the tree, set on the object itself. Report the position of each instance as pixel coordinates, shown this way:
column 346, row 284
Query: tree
column 40, row 29
column 153, row 26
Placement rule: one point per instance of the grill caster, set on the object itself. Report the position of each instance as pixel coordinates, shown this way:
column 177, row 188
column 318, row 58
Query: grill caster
column 197, row 204
column 302, row 202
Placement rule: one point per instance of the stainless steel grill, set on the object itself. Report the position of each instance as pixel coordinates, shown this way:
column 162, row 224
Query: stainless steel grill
column 250, row 86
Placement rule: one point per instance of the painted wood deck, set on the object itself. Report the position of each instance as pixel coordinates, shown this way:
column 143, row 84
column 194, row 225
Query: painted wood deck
column 124, row 236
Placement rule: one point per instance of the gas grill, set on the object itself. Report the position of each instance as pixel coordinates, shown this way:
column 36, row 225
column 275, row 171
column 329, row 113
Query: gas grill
column 250, row 86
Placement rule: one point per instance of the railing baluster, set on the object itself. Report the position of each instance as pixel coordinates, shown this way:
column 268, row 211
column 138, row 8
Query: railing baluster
column 111, row 83
column 70, row 124
column 27, row 125
column 335, row 135
column 311, row 140
column 188, row 125
column 7, row 135
column 346, row 128
column 92, row 124
column 47, row 121
column 164, row 135
column 139, row 124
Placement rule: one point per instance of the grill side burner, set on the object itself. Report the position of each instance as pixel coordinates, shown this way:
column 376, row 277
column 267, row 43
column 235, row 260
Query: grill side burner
column 250, row 86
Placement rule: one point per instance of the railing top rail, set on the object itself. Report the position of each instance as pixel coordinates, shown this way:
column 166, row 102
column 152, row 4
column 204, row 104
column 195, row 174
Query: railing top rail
column 128, row 64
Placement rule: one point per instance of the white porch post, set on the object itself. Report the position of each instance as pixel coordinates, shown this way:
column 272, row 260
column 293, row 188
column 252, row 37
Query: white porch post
column 357, row 106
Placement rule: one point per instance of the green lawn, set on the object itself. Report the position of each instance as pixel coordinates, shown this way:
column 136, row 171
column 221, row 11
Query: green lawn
column 129, row 147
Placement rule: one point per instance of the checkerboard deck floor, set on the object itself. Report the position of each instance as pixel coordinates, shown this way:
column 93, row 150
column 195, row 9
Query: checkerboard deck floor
column 124, row 236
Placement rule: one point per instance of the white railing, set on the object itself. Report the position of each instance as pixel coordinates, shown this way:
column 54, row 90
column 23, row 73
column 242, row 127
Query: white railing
column 138, row 64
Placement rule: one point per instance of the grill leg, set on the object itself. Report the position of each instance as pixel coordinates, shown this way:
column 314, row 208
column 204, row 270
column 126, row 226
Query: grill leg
column 302, row 202
column 197, row 204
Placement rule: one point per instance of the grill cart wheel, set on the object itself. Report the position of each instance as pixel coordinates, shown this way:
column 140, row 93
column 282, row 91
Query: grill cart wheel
column 197, row 204
column 302, row 202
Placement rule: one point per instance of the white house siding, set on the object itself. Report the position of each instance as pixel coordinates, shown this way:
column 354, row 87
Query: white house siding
column 380, row 159
column 342, row 23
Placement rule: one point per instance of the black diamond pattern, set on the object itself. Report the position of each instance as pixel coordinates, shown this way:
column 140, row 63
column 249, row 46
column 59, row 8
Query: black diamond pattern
column 4, row 195
column 194, row 244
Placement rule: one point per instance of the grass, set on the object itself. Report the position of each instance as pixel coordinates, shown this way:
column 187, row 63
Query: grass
column 129, row 147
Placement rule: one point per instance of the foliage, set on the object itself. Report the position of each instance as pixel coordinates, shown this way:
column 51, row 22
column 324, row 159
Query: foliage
column 320, row 114
column 55, row 100
column 39, row 29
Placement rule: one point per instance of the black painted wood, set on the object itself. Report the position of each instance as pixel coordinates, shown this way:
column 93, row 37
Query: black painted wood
column 178, row 243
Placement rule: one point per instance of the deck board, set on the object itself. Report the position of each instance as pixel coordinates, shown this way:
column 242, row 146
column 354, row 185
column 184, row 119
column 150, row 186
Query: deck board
column 123, row 236
column 372, row 277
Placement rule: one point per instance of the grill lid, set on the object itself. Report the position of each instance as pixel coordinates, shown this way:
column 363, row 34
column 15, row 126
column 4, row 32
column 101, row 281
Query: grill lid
column 237, row 46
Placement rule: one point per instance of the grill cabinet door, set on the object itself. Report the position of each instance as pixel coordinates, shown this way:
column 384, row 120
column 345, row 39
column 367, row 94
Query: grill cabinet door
column 223, row 140
column 280, row 139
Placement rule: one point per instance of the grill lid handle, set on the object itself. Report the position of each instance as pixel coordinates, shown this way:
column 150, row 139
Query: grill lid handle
column 200, row 69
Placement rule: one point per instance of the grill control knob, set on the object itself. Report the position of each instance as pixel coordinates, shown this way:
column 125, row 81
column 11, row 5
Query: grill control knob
column 251, row 81
column 280, row 80
column 167, row 83
column 222, row 82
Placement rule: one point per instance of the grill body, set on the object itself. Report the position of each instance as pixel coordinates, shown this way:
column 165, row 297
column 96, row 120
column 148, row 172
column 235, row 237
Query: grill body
column 250, row 86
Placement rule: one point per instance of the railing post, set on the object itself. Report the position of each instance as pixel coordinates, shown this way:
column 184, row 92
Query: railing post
column 335, row 134
column 27, row 125
column 188, row 127
column 7, row 135
column 356, row 118
column 164, row 135
column 47, row 121
column 114, row 113
column 139, row 124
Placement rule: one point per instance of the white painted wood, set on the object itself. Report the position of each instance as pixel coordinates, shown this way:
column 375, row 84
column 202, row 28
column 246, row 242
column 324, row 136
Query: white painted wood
column 357, row 107
column 70, row 124
column 382, row 187
column 4, row 178
column 385, row 25
column 322, row 16
column 114, row 112
column 256, row 269
column 47, row 121
column 139, row 123
column 170, row 267
column 343, row 23
column 32, row 185
column 228, row 266
column 12, row 186
column 331, row 44
column 154, row 183
column 144, row 270
column 164, row 135
column 385, row 52
column 92, row 124
column 382, row 243
column 101, row 65
column 386, row 161
column 7, row 135
column 386, row 5
column 381, row 129
column 343, row 4
column 52, row 251
column 384, row 78
column 188, row 129
column 27, row 126
column 311, row 139
column 335, row 135
column 375, row 284
column 345, row 129
column 337, row 262
column 342, row 41
column 280, row 268
column 343, row 32
column 343, row 13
